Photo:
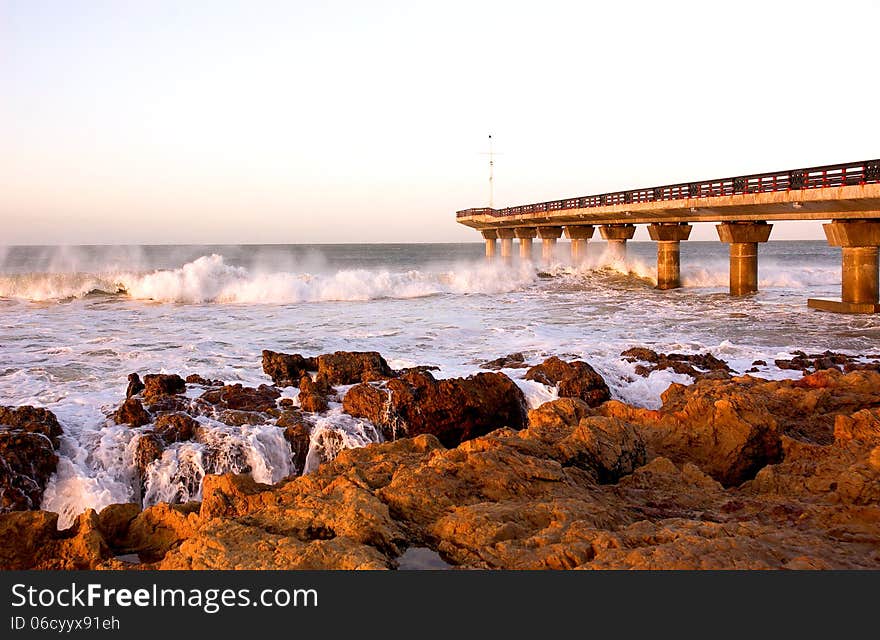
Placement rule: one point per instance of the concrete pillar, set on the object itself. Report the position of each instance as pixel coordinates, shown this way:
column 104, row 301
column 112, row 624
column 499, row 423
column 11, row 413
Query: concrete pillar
column 860, row 287
column 617, row 235
column 579, row 237
column 743, row 238
column 548, row 236
column 668, row 238
column 506, row 236
column 490, row 236
column 525, row 235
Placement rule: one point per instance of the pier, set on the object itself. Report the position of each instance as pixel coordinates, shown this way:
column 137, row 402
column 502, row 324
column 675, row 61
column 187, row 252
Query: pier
column 847, row 196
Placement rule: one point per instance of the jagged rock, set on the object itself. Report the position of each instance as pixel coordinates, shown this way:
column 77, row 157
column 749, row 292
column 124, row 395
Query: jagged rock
column 195, row 378
column 149, row 448
column 176, row 427
column 828, row 360
column 135, row 386
column 298, row 434
column 454, row 409
column 28, row 439
column 699, row 366
column 32, row 420
column 575, row 379
column 27, row 461
column 286, row 370
column 240, row 398
column 352, row 367
column 157, row 385
column 511, row 361
column 132, row 413
column 312, row 395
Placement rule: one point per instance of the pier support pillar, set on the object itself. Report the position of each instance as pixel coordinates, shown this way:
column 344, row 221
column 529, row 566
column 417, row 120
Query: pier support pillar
column 743, row 238
column 617, row 235
column 525, row 235
column 668, row 238
column 548, row 236
column 859, row 241
column 490, row 236
column 580, row 238
column 506, row 236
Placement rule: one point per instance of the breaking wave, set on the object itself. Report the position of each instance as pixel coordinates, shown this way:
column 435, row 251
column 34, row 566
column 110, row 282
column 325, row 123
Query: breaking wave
column 210, row 279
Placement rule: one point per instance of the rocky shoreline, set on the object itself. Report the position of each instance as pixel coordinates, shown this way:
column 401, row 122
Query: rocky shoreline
column 731, row 472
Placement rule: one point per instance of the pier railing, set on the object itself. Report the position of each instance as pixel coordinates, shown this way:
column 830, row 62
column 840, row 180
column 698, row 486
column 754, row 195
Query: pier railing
column 834, row 175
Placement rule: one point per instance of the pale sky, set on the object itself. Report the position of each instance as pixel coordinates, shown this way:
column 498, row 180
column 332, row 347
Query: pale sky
column 297, row 122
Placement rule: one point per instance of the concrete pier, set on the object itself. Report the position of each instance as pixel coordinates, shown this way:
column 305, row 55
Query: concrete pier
column 549, row 236
column 506, row 236
column 743, row 238
column 617, row 235
column 859, row 241
column 490, row 236
column 668, row 237
column 525, row 235
column 580, row 238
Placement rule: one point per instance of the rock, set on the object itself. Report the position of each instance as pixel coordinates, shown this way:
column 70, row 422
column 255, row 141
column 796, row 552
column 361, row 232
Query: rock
column 27, row 461
column 730, row 438
column 149, row 448
column 312, row 395
column 28, row 439
column 157, row 385
column 32, row 541
column 176, row 427
column 32, row 420
column 827, row 360
column 454, row 409
column 135, row 386
column 699, row 366
column 114, row 522
column 298, row 434
column 286, row 370
column 352, row 367
column 132, row 413
column 575, row 379
column 240, row 398
column 231, row 495
column 511, row 361
column 195, row 378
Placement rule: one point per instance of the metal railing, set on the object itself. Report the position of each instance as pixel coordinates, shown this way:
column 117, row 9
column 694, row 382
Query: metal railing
column 833, row 175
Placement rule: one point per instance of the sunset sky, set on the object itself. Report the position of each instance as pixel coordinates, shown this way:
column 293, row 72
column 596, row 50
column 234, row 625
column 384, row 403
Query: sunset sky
column 188, row 122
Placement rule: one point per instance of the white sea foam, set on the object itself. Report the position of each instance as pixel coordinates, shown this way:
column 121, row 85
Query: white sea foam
column 210, row 279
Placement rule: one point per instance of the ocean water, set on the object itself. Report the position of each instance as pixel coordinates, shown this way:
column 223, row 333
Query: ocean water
column 74, row 322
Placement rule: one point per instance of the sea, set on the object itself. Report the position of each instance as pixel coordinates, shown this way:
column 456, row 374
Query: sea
column 75, row 321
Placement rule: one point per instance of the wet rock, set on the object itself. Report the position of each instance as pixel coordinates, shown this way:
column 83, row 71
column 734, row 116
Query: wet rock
column 298, row 434
column 575, row 379
column 135, row 386
column 286, row 370
column 419, row 369
column 32, row 420
column 29, row 437
column 699, row 366
column 231, row 495
column 352, row 367
column 195, row 378
column 27, row 461
column 312, row 395
column 149, row 448
column 132, row 413
column 240, row 398
column 511, row 361
column 454, row 409
column 811, row 363
column 157, row 385
column 176, row 427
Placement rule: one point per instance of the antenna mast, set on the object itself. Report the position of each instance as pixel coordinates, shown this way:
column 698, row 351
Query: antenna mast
column 491, row 174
